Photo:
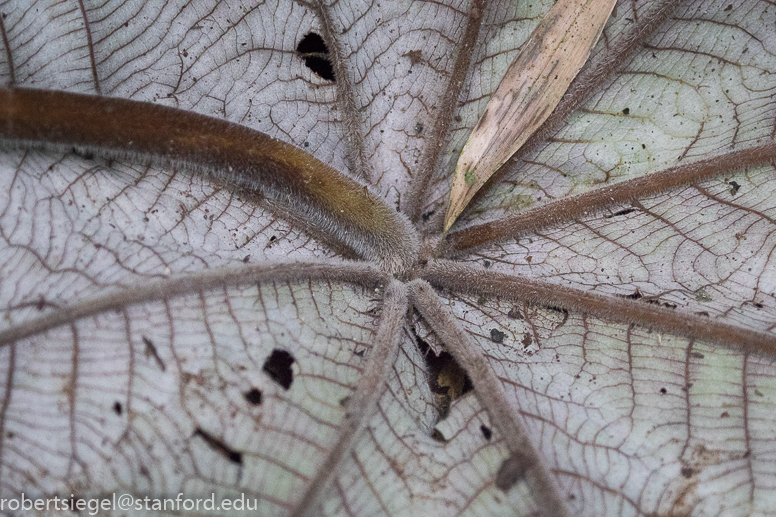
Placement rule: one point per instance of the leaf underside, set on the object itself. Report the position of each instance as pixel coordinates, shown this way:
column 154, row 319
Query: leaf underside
column 169, row 327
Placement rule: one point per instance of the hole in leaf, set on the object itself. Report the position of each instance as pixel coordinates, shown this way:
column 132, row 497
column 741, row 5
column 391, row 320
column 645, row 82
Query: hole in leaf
column 446, row 378
column 316, row 55
column 253, row 396
column 438, row 436
column 219, row 446
column 486, row 432
column 278, row 367
column 734, row 186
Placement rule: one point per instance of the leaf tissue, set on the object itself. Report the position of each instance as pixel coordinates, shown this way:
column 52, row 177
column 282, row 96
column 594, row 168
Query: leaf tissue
column 224, row 270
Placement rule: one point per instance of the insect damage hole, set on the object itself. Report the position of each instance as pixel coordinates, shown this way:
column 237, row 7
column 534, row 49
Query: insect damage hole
column 316, row 56
column 446, row 378
column 278, row 367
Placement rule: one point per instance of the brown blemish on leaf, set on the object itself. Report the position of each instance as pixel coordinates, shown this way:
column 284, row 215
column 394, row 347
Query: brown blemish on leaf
column 416, row 56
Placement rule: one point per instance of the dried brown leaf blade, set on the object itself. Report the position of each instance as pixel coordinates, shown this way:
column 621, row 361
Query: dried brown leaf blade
column 533, row 85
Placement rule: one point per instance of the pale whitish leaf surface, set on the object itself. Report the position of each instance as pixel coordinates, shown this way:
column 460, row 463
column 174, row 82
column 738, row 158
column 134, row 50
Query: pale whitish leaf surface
column 685, row 95
column 76, row 229
column 638, row 424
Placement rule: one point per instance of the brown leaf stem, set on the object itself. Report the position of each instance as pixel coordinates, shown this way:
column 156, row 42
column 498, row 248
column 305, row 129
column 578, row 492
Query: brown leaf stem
column 235, row 155
column 362, row 403
column 201, row 281
column 574, row 207
column 476, row 280
column 490, row 393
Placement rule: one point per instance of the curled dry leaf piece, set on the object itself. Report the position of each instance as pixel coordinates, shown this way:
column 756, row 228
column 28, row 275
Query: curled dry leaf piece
column 526, row 96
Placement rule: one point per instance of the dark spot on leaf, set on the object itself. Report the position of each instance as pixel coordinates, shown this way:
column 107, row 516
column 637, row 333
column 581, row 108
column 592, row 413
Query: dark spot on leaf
column 758, row 393
column 86, row 155
column 486, row 432
column 643, row 146
column 273, row 238
column 527, row 340
column 728, row 8
column 667, row 305
column 316, row 55
column 428, row 214
column 758, row 305
column 697, row 355
column 418, row 128
column 626, row 111
column 344, row 401
column 486, row 263
column 621, row 212
column 253, row 396
column 724, row 414
column 496, row 336
column 438, row 436
column 246, row 258
column 514, row 314
column 687, row 472
column 663, row 391
column 150, row 351
column 278, row 367
column 457, row 118
column 635, row 295
column 219, row 446
column 511, row 471
column 416, row 56
column 734, row 186
column 117, row 408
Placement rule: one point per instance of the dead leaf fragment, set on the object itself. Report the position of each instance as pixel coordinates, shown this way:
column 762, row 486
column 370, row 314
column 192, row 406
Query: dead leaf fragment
column 531, row 88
